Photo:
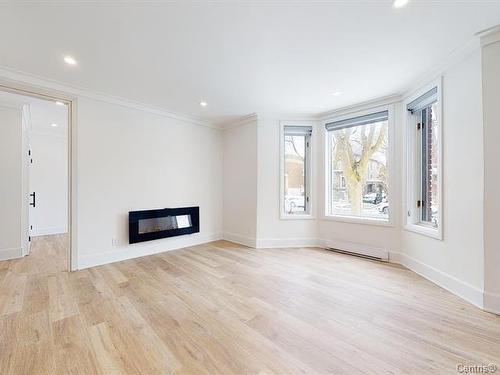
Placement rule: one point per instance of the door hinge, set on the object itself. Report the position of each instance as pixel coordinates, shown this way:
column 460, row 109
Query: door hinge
column 419, row 204
column 419, row 126
column 29, row 238
column 33, row 195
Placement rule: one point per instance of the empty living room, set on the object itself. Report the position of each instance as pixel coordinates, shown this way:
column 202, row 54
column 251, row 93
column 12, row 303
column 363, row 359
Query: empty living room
column 250, row 187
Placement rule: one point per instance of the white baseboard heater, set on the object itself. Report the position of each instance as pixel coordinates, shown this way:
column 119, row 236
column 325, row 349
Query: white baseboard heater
column 359, row 255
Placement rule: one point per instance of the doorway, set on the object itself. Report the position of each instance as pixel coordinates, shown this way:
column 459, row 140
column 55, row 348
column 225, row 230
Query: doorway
column 36, row 129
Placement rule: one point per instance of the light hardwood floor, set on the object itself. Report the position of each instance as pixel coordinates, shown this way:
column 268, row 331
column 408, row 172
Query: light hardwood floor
column 222, row 308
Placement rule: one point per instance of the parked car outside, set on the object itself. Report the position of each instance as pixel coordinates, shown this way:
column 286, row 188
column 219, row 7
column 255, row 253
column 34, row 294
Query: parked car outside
column 294, row 203
column 384, row 208
column 374, row 198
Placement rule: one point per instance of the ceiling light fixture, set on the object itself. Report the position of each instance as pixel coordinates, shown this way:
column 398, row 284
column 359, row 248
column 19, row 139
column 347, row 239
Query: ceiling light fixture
column 203, row 103
column 54, row 125
column 59, row 103
column 400, row 3
column 337, row 93
column 69, row 60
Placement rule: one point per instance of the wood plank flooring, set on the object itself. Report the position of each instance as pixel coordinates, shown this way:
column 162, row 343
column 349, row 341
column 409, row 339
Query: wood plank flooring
column 223, row 308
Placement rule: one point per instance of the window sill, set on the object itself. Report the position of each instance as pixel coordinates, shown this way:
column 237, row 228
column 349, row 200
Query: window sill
column 425, row 231
column 359, row 220
column 297, row 217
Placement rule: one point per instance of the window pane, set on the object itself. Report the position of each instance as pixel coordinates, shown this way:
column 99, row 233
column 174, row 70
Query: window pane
column 430, row 197
column 358, row 171
column 295, row 174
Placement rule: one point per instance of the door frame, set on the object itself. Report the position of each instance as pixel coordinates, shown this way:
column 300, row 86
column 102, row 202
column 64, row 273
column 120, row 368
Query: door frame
column 71, row 103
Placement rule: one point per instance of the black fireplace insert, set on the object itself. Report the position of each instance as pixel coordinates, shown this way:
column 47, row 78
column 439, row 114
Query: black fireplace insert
column 167, row 222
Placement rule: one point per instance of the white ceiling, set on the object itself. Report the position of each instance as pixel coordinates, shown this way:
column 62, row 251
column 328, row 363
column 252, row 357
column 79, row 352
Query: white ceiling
column 241, row 57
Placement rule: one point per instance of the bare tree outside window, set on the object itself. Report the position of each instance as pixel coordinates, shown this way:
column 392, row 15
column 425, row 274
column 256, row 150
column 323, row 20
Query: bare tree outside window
column 359, row 185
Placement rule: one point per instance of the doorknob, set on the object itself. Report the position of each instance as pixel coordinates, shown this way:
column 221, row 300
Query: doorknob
column 34, row 199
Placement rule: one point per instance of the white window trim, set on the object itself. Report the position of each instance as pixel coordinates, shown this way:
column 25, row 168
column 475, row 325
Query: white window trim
column 410, row 214
column 310, row 175
column 390, row 163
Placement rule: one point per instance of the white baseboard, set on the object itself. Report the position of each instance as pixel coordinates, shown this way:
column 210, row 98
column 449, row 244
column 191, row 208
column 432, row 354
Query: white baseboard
column 355, row 248
column 48, row 231
column 12, row 253
column 272, row 243
column 458, row 287
column 492, row 302
column 240, row 239
column 120, row 253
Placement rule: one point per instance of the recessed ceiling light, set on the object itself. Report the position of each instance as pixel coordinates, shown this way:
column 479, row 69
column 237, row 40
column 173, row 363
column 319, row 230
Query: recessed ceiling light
column 59, row 103
column 69, row 60
column 400, row 3
column 337, row 93
column 54, row 125
column 203, row 103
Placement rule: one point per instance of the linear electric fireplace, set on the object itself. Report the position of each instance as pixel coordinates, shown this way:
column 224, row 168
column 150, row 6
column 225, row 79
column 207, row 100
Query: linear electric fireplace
column 168, row 222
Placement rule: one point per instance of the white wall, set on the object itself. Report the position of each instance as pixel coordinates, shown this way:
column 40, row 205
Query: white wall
column 491, row 103
column 240, row 183
column 456, row 262
column 131, row 160
column 10, row 181
column 271, row 230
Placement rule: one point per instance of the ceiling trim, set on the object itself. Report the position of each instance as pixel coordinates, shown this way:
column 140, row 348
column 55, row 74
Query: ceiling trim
column 288, row 116
column 489, row 36
column 12, row 76
column 455, row 57
column 243, row 120
column 374, row 103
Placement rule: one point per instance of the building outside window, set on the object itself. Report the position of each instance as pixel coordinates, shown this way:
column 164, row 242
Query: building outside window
column 424, row 160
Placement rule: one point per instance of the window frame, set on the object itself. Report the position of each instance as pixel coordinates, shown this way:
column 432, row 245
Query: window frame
column 390, row 108
column 413, row 172
column 309, row 175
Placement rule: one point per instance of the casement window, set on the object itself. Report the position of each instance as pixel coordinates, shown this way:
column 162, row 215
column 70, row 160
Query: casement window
column 357, row 167
column 424, row 163
column 296, row 171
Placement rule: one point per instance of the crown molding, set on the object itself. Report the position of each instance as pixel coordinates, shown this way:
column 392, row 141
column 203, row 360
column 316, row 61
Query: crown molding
column 453, row 58
column 243, row 120
column 16, row 79
column 286, row 116
column 366, row 105
column 489, row 36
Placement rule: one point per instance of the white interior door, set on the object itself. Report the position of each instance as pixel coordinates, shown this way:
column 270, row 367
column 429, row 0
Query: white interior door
column 48, row 181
